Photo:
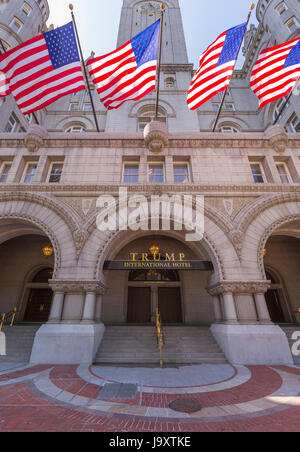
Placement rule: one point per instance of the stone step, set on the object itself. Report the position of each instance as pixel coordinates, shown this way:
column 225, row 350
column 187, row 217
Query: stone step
column 138, row 345
column 19, row 342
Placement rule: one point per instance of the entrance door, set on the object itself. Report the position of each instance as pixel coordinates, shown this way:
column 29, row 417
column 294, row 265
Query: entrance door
column 169, row 304
column 139, row 305
column 39, row 305
column 274, row 306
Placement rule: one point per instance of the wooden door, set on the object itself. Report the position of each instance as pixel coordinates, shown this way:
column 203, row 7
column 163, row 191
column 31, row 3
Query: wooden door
column 38, row 305
column 169, row 304
column 139, row 305
column 274, row 306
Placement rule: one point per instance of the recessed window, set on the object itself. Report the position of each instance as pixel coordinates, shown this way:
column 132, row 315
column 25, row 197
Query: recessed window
column 30, row 172
column 6, row 167
column 55, row 173
column 283, row 173
column 293, row 124
column 87, row 107
column 131, row 173
column 279, row 106
column 229, row 129
column 292, row 23
column 156, row 174
column 74, row 106
column 16, row 24
column 229, row 106
column 281, row 8
column 75, row 129
column 12, row 124
column 215, row 107
column 26, row 8
column 257, row 173
column 181, row 173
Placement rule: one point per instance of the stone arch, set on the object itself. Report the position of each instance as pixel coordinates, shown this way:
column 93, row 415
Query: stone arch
column 138, row 106
column 217, row 241
column 42, row 216
column 259, row 222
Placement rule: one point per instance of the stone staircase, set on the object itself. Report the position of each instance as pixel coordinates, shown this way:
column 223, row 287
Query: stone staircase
column 137, row 345
column 19, row 342
column 289, row 330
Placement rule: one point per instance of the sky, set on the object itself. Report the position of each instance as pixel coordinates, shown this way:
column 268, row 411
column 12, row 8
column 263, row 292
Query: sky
column 203, row 21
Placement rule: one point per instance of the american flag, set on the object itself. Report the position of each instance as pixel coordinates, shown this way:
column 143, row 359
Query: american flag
column 276, row 72
column 216, row 67
column 41, row 70
column 128, row 73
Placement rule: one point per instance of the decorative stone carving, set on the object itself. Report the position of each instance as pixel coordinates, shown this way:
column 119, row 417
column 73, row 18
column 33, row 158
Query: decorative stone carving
column 77, row 286
column 238, row 239
column 80, row 237
column 278, row 138
column 34, row 139
column 239, row 287
column 156, row 136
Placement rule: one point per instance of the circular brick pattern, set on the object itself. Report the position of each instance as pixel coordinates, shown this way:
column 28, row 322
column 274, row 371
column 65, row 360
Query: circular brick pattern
column 185, row 406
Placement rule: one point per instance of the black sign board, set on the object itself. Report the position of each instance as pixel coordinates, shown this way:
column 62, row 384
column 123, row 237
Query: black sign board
column 159, row 265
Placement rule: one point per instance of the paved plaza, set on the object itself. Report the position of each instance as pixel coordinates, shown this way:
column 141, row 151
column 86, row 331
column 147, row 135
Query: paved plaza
column 106, row 399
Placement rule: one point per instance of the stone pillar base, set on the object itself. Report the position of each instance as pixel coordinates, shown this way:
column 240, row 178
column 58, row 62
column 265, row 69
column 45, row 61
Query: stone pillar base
column 2, row 344
column 67, row 344
column 253, row 344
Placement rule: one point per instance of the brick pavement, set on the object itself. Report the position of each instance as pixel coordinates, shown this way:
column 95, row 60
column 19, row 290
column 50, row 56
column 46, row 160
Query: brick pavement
column 66, row 398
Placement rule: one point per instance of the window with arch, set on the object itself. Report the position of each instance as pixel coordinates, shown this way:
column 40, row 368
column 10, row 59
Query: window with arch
column 147, row 114
column 75, row 129
column 229, row 129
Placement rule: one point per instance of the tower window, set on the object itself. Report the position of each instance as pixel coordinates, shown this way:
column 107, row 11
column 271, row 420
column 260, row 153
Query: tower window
column 156, row 173
column 281, row 8
column 181, row 173
column 294, row 124
column 257, row 172
column 283, row 173
column 12, row 124
column 29, row 173
column 131, row 173
column 292, row 24
column 26, row 8
column 16, row 24
column 55, row 173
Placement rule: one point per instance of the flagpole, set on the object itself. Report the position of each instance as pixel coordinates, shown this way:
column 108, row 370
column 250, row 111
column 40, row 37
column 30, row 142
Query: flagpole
column 84, row 68
column 33, row 113
column 159, row 59
column 225, row 92
column 284, row 106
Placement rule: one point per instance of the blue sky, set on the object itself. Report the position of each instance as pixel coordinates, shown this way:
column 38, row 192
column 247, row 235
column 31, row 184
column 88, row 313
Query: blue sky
column 203, row 21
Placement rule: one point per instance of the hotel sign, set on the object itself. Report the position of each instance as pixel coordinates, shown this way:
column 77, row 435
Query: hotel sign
column 159, row 265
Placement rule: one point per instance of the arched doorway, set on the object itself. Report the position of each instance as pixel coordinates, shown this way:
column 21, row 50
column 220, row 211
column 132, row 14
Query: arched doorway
column 159, row 287
column 25, row 271
column 282, row 266
column 39, row 300
column 132, row 296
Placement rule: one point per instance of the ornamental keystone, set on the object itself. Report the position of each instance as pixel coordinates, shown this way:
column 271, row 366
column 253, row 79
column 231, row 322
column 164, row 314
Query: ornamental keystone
column 156, row 136
column 34, row 139
column 278, row 138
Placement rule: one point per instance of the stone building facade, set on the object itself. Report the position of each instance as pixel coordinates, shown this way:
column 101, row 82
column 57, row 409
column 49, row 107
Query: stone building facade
column 52, row 175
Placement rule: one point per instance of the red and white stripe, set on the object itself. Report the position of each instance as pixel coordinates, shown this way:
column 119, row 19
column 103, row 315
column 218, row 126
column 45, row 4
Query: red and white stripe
column 32, row 79
column 118, row 79
column 269, row 79
column 209, row 79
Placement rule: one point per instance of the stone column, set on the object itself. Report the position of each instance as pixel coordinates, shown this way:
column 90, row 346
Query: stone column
column 98, row 310
column 217, row 308
column 246, row 310
column 57, row 307
column 230, row 309
column 88, row 316
column 262, row 308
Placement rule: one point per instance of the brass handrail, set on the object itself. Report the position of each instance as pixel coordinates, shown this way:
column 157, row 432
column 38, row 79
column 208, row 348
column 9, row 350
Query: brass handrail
column 6, row 316
column 160, row 336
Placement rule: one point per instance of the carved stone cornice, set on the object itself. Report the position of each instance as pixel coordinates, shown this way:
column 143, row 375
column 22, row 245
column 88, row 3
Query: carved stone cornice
column 67, row 286
column 156, row 136
column 239, row 287
column 278, row 138
column 96, row 190
column 192, row 140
